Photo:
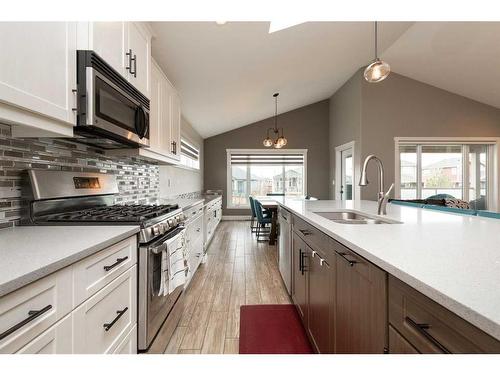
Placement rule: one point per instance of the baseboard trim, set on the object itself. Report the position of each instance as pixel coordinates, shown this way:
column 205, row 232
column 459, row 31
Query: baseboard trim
column 236, row 217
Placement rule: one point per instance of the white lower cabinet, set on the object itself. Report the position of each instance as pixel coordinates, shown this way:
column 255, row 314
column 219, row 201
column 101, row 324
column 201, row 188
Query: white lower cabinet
column 128, row 344
column 87, row 307
column 29, row 311
column 101, row 322
column 58, row 339
column 94, row 272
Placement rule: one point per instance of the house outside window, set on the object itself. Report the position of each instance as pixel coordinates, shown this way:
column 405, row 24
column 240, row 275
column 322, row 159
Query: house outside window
column 447, row 168
column 260, row 172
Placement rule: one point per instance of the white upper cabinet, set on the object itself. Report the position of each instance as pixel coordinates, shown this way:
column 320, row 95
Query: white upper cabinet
column 126, row 46
column 109, row 40
column 139, row 49
column 155, row 128
column 165, row 117
column 37, row 76
column 175, row 109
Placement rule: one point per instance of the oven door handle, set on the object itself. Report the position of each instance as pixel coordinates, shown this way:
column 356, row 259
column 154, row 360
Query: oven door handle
column 160, row 248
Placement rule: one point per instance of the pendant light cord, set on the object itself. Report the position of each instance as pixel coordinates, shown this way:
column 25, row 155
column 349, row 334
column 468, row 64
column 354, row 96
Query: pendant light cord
column 376, row 49
column 276, row 113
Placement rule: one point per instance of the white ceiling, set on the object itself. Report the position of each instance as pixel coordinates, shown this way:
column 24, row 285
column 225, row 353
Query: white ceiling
column 226, row 75
column 461, row 57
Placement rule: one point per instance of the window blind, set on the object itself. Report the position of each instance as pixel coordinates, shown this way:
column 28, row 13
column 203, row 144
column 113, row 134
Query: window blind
column 267, row 159
column 189, row 150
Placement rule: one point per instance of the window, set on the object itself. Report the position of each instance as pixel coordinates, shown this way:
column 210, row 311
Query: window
column 258, row 172
column 458, row 169
column 190, row 154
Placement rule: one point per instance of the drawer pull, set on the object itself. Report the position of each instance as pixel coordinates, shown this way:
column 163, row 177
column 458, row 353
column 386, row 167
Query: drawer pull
column 118, row 261
column 305, row 232
column 351, row 262
column 422, row 329
column 32, row 315
column 302, row 267
column 107, row 326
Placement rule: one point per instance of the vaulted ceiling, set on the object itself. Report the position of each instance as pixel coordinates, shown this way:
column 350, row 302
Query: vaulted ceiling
column 226, row 74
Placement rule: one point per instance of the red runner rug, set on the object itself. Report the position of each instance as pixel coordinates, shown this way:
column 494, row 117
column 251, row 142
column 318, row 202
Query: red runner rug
column 272, row 329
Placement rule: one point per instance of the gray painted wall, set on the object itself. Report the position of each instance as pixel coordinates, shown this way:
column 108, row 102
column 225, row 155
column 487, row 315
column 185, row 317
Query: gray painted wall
column 306, row 127
column 345, row 121
column 402, row 107
column 175, row 181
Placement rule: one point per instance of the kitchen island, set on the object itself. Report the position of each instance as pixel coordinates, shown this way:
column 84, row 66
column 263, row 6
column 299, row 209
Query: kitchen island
column 451, row 259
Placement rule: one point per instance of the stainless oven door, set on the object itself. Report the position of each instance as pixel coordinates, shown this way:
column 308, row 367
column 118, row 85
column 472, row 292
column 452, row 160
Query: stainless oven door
column 153, row 306
column 114, row 111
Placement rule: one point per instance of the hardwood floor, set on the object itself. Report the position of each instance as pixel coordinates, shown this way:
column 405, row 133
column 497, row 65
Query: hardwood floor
column 239, row 271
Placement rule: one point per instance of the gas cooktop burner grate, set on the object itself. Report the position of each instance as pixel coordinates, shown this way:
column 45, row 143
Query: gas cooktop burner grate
column 126, row 213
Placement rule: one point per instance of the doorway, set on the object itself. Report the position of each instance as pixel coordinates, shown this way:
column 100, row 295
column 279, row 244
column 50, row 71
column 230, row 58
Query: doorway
column 344, row 172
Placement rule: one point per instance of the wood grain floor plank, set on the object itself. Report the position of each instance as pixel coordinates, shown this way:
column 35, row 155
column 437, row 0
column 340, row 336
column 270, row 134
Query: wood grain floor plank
column 232, row 346
column 195, row 333
column 215, row 334
column 176, row 340
column 238, row 271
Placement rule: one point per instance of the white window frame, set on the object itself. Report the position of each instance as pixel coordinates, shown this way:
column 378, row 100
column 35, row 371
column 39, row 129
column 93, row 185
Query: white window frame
column 493, row 171
column 230, row 151
column 196, row 146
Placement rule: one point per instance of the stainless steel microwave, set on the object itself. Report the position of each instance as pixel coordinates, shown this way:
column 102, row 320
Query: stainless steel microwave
column 111, row 113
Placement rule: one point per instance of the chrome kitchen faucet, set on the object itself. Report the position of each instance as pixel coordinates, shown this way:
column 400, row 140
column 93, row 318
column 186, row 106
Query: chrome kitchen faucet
column 363, row 181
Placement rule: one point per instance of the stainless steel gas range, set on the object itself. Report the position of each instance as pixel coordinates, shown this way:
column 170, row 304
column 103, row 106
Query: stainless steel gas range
column 80, row 198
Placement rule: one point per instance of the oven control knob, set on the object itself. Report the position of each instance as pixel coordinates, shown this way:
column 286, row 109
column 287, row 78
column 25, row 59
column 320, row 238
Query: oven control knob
column 156, row 230
column 162, row 228
column 170, row 222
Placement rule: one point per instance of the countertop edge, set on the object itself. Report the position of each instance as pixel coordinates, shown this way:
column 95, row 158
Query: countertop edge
column 40, row 273
column 478, row 320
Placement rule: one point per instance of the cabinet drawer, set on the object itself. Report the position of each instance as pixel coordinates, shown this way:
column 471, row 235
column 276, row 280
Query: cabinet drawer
column 128, row 344
column 314, row 237
column 193, row 211
column 29, row 311
column 96, row 271
column 56, row 340
column 398, row 344
column 430, row 327
column 101, row 323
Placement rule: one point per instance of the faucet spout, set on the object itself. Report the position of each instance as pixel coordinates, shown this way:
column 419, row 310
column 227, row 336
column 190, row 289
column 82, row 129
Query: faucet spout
column 363, row 181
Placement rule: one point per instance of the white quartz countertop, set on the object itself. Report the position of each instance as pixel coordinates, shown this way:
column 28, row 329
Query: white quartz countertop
column 453, row 259
column 28, row 253
column 186, row 203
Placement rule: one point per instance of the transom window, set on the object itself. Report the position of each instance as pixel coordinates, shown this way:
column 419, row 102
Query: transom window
column 445, row 169
column 262, row 172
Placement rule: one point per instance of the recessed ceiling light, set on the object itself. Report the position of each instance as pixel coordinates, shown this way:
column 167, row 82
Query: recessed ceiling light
column 220, row 23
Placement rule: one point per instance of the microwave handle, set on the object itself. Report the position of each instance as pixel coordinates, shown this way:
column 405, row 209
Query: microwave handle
column 141, row 123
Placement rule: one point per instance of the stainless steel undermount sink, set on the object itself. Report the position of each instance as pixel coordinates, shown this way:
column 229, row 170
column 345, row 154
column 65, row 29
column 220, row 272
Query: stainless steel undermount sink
column 353, row 217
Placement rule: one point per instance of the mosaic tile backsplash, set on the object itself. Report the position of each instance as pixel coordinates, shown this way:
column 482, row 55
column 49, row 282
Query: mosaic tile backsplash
column 138, row 180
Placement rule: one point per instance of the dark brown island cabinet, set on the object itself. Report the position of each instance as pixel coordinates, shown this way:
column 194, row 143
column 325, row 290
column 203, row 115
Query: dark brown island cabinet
column 349, row 305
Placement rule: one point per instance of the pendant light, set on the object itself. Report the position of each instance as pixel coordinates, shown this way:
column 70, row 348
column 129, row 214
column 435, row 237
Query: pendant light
column 378, row 70
column 280, row 141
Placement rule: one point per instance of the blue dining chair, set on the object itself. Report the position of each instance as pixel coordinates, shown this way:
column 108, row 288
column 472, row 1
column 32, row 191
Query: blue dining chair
column 253, row 228
column 262, row 221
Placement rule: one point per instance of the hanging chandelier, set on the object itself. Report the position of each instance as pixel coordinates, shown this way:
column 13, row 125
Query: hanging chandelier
column 378, row 70
column 280, row 140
